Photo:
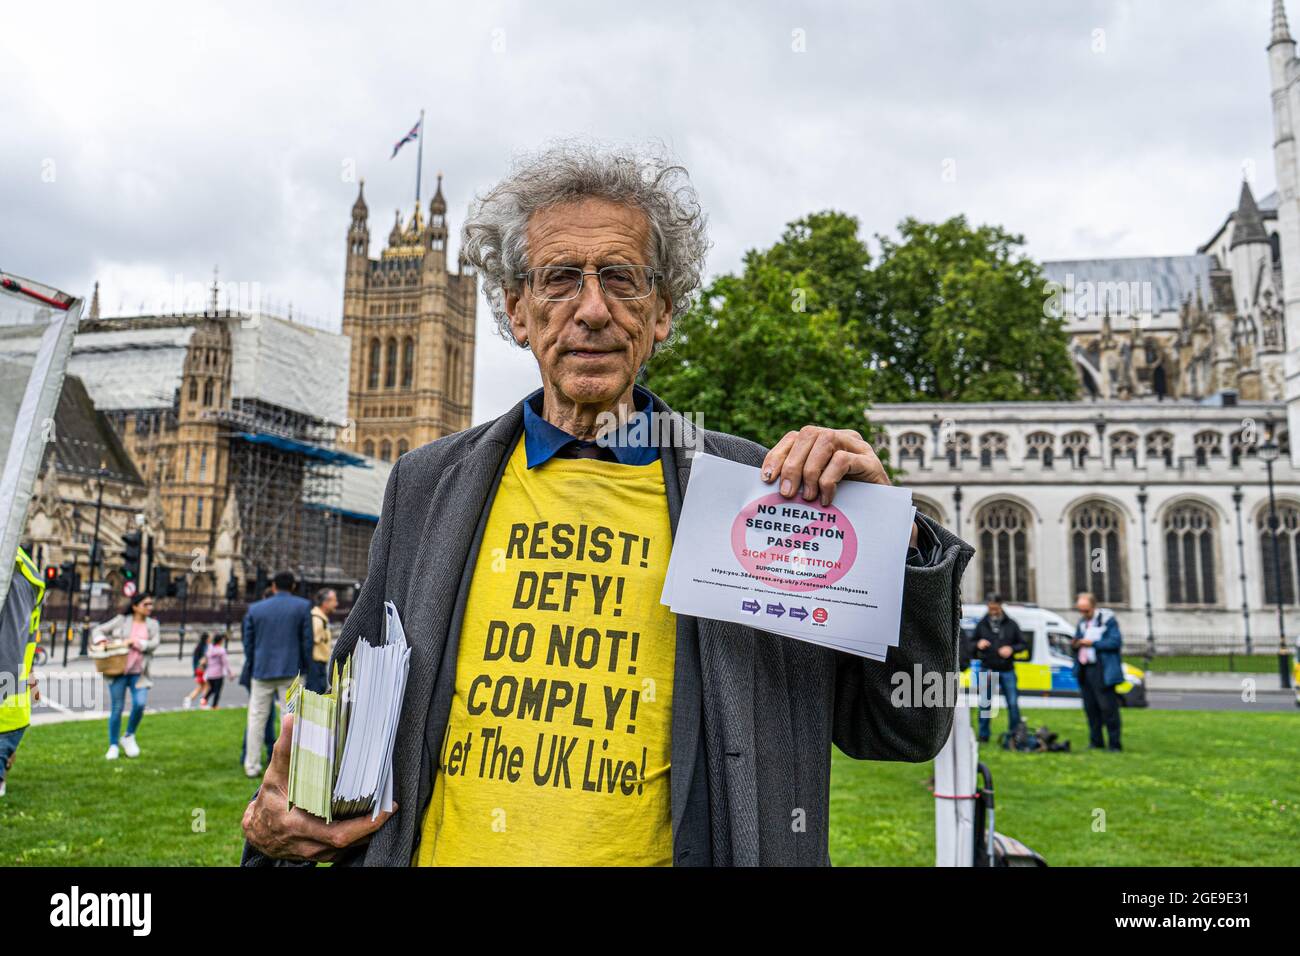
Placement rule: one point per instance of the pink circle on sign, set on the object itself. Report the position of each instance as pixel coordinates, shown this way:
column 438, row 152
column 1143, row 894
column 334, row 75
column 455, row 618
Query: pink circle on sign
column 838, row 566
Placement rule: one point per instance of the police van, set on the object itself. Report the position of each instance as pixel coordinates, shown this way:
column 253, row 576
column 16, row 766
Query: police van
column 1046, row 669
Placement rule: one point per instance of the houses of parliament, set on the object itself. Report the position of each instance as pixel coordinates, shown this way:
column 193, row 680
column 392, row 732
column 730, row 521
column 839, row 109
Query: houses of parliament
column 411, row 324
column 232, row 437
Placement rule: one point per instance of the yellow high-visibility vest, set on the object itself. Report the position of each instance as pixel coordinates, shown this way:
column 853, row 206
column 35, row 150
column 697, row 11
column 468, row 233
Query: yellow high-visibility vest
column 16, row 708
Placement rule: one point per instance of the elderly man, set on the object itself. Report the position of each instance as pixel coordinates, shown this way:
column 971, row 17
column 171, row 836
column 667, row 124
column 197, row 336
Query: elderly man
column 1098, row 667
column 556, row 712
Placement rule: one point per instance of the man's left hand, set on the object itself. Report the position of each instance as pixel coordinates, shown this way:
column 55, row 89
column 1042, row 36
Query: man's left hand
column 813, row 460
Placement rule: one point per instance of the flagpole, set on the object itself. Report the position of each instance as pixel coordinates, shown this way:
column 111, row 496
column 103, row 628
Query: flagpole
column 419, row 161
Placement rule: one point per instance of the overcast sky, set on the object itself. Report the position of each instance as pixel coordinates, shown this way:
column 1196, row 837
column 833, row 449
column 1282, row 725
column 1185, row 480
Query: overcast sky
column 142, row 144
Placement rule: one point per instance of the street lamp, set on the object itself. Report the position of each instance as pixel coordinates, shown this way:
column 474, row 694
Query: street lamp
column 1268, row 453
column 1146, row 573
column 94, row 558
column 1241, row 564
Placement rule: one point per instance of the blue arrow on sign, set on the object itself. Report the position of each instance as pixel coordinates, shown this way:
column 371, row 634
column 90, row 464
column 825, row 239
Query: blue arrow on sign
column 776, row 609
column 752, row 607
column 797, row 614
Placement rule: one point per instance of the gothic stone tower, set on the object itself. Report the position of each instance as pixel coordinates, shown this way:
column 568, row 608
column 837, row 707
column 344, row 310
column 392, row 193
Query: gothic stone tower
column 411, row 322
column 1284, row 71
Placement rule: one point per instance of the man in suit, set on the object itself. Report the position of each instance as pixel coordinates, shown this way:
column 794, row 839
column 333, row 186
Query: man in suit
column 555, row 711
column 277, row 647
column 998, row 639
column 1098, row 667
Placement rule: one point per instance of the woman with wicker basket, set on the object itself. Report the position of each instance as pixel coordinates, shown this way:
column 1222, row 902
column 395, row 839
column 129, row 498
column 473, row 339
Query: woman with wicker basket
column 123, row 647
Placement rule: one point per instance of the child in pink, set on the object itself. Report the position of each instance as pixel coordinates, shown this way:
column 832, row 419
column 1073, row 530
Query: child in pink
column 218, row 670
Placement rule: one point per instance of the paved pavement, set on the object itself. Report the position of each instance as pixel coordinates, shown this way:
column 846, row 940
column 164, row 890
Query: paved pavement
column 76, row 693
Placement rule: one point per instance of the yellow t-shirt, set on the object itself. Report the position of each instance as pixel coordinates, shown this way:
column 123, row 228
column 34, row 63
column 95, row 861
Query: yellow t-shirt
column 558, row 745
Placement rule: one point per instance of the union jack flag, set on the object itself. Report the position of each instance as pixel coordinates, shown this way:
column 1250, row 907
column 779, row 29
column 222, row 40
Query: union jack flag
column 413, row 134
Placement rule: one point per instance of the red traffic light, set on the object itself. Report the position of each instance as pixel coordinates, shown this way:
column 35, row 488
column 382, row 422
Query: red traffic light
column 51, row 574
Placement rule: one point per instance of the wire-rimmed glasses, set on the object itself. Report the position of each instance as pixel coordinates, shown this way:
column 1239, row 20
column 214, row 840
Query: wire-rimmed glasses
column 561, row 283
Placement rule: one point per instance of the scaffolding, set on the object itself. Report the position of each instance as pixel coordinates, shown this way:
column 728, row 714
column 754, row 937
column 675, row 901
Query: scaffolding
column 287, row 476
column 275, row 409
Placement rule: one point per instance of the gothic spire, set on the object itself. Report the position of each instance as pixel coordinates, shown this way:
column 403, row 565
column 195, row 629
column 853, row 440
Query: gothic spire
column 359, row 208
column 1281, row 32
column 438, row 206
column 1247, row 224
column 94, row 302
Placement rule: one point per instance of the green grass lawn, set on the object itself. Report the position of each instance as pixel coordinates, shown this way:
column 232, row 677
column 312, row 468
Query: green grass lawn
column 1191, row 788
column 178, row 804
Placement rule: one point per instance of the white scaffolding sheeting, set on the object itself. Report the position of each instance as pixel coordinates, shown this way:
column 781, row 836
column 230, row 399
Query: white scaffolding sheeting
column 131, row 368
column 292, row 366
column 361, row 491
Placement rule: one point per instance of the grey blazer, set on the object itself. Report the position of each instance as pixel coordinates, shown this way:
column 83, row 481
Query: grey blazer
column 754, row 714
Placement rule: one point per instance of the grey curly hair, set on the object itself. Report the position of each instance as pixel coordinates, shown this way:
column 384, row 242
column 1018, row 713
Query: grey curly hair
column 495, row 237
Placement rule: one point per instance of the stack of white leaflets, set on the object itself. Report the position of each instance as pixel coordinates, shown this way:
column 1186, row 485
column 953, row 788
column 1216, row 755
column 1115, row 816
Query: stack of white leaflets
column 341, row 764
column 831, row 576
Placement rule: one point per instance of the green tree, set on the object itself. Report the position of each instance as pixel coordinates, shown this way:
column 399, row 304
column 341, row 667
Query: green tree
column 762, row 353
column 957, row 314
column 812, row 331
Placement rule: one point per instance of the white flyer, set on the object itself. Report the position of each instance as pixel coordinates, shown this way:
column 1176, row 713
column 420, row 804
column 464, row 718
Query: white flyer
column 832, row 576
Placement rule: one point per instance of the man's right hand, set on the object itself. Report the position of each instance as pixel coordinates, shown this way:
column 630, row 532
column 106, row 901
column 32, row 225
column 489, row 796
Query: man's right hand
column 983, row 645
column 283, row 834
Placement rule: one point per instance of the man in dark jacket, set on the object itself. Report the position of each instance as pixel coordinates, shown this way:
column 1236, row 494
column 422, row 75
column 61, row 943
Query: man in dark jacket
column 1098, row 667
column 998, row 639
column 586, row 256
column 277, row 647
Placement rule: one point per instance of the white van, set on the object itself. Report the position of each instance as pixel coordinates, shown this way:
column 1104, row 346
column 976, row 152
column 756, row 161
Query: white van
column 1046, row 670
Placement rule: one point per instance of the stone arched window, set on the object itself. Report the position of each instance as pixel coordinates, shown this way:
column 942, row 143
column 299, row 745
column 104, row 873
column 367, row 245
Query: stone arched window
column 207, row 392
column 1074, row 446
column 1239, row 447
column 194, row 390
column 928, row 508
column 372, row 372
column 1208, row 444
column 1287, row 551
column 370, row 449
column 1160, row 446
column 402, row 447
column 958, row 445
column 1191, row 554
column 1097, row 552
column 1123, row 445
column 385, row 450
column 992, row 445
column 911, row 447
column 408, row 361
column 1041, row 447
column 1003, row 528
column 390, row 363
column 451, row 372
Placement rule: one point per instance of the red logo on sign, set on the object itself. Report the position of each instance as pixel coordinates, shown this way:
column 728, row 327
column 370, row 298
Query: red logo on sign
column 820, row 615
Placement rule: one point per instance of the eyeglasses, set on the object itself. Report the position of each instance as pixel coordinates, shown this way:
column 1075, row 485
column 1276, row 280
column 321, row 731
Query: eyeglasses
column 560, row 283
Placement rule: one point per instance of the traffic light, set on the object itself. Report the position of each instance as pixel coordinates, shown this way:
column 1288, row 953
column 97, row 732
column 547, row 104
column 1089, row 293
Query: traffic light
column 162, row 580
column 131, row 555
column 63, row 577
